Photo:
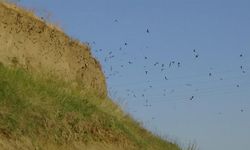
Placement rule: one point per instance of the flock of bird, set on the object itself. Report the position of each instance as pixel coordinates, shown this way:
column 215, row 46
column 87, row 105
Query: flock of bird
column 110, row 60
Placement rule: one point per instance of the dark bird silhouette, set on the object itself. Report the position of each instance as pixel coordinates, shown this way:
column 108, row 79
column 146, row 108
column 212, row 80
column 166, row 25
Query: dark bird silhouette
column 237, row 85
column 169, row 65
column 156, row 63
column 146, row 72
column 188, row 84
column 241, row 55
column 166, row 78
column 179, row 64
column 196, row 56
column 191, row 98
column 241, row 67
column 130, row 62
column 194, row 50
column 112, row 56
column 125, row 43
column 145, row 57
column 210, row 74
column 147, row 30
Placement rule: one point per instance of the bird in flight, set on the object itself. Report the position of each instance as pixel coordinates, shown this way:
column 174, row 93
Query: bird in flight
column 147, row 30
column 170, row 64
column 188, row 84
column 179, row 64
column 157, row 63
column 166, row 78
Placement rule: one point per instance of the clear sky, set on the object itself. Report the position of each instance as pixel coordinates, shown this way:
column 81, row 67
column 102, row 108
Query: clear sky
column 155, row 75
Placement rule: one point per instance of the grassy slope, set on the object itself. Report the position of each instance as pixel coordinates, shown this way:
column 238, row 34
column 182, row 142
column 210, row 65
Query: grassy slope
column 45, row 113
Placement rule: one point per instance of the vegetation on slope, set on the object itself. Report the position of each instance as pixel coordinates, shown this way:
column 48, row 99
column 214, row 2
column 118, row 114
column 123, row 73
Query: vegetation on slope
column 46, row 113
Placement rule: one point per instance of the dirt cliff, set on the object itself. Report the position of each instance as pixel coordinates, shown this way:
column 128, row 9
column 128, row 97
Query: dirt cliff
column 29, row 42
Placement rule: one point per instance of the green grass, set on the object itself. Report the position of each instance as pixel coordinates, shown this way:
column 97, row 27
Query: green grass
column 47, row 110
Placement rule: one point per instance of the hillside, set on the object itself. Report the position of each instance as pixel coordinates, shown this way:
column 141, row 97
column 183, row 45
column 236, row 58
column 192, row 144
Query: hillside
column 53, row 93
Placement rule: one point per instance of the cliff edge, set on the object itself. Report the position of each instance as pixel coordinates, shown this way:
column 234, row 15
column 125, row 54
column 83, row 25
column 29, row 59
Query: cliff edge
column 28, row 42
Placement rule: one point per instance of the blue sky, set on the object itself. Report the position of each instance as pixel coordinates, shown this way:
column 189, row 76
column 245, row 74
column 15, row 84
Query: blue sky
column 217, row 117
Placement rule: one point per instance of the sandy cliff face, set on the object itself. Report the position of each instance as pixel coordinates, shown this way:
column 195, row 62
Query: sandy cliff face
column 28, row 42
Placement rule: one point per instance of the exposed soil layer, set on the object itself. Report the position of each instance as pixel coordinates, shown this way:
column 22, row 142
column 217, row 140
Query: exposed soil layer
column 29, row 42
